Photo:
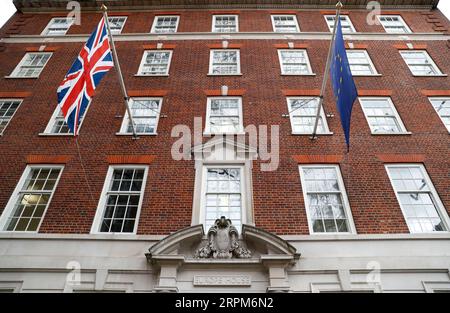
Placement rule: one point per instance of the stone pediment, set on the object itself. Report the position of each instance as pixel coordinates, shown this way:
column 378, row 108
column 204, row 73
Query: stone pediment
column 222, row 244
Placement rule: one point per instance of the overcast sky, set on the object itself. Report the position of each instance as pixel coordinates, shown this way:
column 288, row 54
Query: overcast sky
column 7, row 9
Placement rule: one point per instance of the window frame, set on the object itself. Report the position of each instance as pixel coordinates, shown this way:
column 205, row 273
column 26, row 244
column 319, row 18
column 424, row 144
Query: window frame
column 11, row 204
column 370, row 62
column 100, row 211
column 430, row 60
column 18, row 67
column 214, row 29
column 445, row 99
column 203, row 190
column 155, row 19
column 439, row 205
column 308, row 62
column 342, row 190
column 144, row 57
column 52, row 120
column 272, row 18
column 12, row 116
column 211, row 60
column 124, row 125
column 405, row 25
column 207, row 130
column 403, row 130
column 322, row 115
column 346, row 16
column 47, row 28
column 123, row 25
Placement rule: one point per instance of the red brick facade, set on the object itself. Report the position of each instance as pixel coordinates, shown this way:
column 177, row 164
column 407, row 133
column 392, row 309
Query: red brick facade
column 278, row 199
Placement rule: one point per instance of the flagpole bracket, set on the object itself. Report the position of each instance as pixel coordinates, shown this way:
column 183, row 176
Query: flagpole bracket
column 314, row 137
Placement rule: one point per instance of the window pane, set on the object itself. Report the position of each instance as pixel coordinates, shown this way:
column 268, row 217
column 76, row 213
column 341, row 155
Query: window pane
column 7, row 110
column 145, row 114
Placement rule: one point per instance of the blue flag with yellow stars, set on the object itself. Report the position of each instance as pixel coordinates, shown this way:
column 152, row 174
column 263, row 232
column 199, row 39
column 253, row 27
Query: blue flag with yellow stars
column 343, row 85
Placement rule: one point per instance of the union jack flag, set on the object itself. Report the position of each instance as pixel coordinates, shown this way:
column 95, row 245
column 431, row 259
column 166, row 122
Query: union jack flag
column 77, row 88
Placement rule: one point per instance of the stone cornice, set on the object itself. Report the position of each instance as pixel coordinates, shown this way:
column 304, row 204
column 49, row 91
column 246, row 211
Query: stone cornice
column 58, row 5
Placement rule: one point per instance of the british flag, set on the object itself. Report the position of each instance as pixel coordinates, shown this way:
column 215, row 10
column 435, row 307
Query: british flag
column 77, row 89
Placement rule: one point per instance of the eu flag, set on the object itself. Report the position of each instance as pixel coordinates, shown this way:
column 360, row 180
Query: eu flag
column 342, row 80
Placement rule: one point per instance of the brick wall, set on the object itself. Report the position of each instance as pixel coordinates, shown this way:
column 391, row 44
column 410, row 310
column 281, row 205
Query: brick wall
column 278, row 198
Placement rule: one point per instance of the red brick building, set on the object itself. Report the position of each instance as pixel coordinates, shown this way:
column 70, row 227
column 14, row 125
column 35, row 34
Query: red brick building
column 380, row 210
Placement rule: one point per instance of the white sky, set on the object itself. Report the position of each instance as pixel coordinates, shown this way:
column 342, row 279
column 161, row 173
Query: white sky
column 7, row 9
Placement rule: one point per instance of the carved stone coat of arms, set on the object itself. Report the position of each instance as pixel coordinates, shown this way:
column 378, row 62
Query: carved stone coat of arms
column 223, row 242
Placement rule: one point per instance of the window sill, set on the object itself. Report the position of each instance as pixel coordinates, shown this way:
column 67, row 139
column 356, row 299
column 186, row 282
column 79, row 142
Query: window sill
column 138, row 134
column 392, row 134
column 310, row 134
column 223, row 134
column 437, row 75
column 159, row 75
column 239, row 74
column 17, row 77
column 372, row 75
column 312, row 74
column 55, row 135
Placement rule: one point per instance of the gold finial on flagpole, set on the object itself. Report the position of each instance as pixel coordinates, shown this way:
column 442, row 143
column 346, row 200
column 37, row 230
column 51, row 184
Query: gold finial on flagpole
column 104, row 8
column 339, row 5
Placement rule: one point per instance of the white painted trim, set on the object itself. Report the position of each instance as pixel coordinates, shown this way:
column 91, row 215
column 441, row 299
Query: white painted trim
column 18, row 67
column 238, row 60
column 207, row 130
column 144, row 57
column 394, row 110
column 429, row 58
column 95, row 229
column 400, row 19
column 369, row 60
column 433, row 286
column 126, row 120
column 213, row 28
column 308, row 62
column 322, row 115
column 163, row 16
column 439, row 205
column 51, row 123
column 345, row 202
column 440, row 99
column 12, row 116
column 295, row 20
column 46, row 29
column 123, row 25
column 15, row 197
column 334, row 17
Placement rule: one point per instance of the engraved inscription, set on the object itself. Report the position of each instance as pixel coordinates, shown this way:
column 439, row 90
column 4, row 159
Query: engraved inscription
column 241, row 280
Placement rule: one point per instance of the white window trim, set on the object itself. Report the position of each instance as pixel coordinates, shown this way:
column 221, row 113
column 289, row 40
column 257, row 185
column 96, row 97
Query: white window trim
column 322, row 114
column 208, row 132
column 375, row 71
column 435, row 99
column 51, row 122
column 440, row 208
column 400, row 19
column 123, row 25
column 430, row 59
column 95, row 229
column 211, row 59
column 272, row 18
column 14, row 197
column 17, row 68
column 308, row 62
column 347, row 17
column 345, row 202
column 12, row 116
column 158, row 16
column 403, row 131
column 243, row 173
column 213, row 28
column 125, row 120
column 46, row 29
column 144, row 56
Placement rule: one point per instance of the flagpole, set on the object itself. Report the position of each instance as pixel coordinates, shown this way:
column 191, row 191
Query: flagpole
column 119, row 71
column 327, row 70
